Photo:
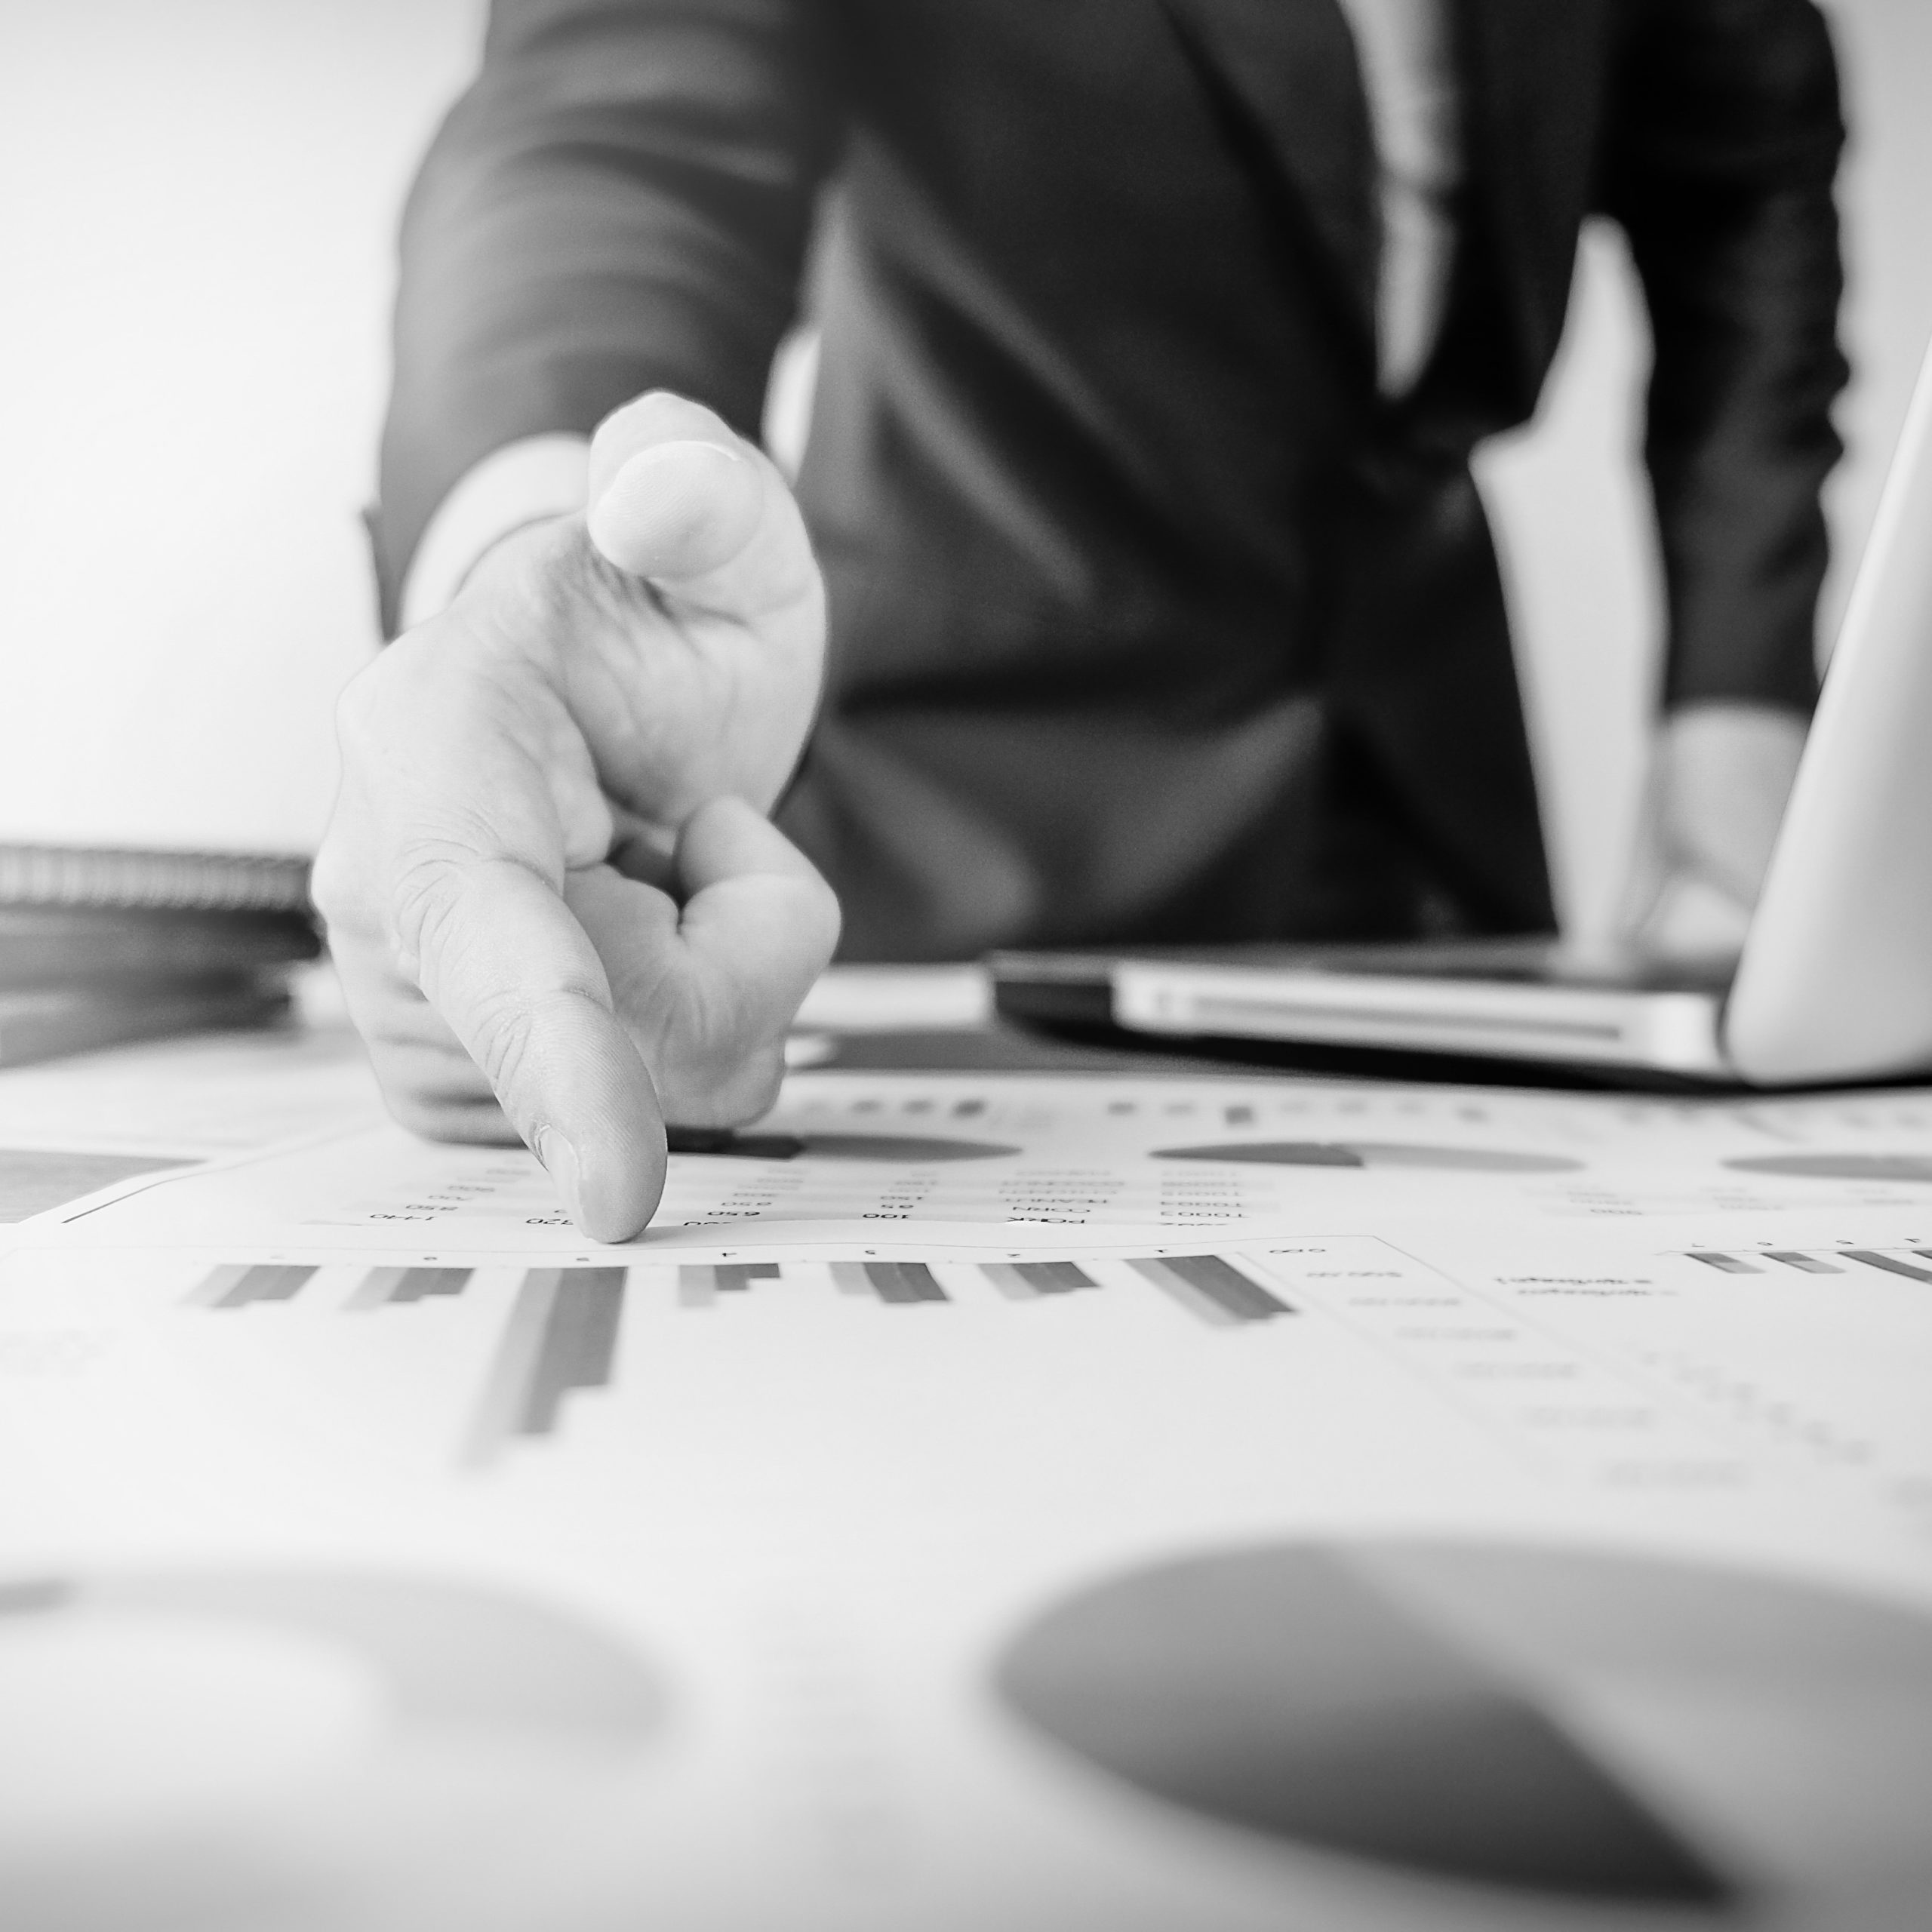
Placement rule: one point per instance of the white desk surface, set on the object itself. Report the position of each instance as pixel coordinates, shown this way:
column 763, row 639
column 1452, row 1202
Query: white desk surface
column 374, row 1552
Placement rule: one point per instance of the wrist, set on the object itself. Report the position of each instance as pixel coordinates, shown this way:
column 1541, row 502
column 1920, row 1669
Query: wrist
column 1725, row 770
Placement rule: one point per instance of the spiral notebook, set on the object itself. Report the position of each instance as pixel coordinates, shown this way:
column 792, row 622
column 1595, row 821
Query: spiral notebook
column 101, row 946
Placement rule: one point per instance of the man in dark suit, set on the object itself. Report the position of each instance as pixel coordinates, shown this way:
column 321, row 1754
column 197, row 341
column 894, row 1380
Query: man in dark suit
column 1157, row 336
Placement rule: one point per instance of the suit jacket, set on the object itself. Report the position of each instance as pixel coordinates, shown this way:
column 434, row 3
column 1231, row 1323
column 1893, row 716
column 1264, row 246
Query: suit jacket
column 1151, row 618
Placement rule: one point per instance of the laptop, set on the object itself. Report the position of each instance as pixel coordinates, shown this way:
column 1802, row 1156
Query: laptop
column 1834, row 983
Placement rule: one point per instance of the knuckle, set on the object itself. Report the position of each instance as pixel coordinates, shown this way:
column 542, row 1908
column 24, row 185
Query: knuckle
column 359, row 705
column 726, row 1092
column 718, row 1060
column 423, row 900
column 497, row 1020
column 424, row 924
column 755, row 1092
column 430, row 879
column 332, row 881
column 821, row 921
column 505, row 1028
column 427, row 881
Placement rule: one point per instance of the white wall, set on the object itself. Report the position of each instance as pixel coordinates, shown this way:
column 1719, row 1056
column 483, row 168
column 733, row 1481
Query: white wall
column 196, row 234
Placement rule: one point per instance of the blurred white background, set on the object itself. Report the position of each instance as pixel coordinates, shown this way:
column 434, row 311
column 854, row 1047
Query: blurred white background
column 197, row 227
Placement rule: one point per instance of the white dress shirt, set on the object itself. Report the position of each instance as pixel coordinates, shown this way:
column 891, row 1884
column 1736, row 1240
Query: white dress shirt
column 1408, row 74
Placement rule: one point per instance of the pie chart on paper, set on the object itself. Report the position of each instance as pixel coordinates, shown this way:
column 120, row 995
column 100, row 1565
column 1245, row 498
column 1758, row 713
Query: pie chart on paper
column 285, row 1750
column 1578, row 1732
column 1374, row 1154
column 884, row 1150
column 1838, row 1166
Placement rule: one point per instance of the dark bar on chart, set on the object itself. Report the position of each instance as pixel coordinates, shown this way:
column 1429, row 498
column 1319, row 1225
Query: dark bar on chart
column 420, row 1284
column 1213, row 1288
column 1221, row 1282
column 381, row 1287
column 579, row 1342
column 1053, row 1277
column 900, row 1283
column 1241, row 1116
column 700, row 1282
column 377, row 1289
column 1027, row 1281
column 241, row 1286
column 1725, row 1264
column 214, row 1289
column 1805, row 1264
column 561, row 1336
column 966, row 1109
column 1890, row 1264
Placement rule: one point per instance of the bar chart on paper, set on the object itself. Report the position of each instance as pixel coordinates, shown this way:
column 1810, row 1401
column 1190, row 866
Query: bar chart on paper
column 470, row 1368
column 1698, row 1369
column 1115, row 1444
column 1911, row 1264
column 560, row 1340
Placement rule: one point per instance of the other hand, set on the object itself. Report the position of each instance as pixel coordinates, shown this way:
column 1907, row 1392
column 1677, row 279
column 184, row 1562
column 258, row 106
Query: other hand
column 557, row 910
column 1721, row 775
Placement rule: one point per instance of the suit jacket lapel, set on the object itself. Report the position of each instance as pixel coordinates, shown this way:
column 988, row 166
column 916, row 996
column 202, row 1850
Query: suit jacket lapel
column 1290, row 67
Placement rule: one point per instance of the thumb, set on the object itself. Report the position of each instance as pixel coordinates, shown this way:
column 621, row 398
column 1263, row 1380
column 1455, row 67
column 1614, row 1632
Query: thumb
column 675, row 494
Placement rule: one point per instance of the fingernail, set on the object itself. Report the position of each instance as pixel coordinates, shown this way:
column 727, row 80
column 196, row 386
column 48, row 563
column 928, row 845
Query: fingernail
column 660, row 456
column 559, row 1158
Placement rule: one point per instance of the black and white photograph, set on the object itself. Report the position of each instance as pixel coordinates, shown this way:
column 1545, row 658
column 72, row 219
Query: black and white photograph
column 966, row 966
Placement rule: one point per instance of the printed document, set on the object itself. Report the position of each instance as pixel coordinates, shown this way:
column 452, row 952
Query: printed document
column 977, row 1500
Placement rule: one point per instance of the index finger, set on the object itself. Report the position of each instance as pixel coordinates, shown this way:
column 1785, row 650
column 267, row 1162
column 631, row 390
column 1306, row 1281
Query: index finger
column 465, row 797
column 519, row 983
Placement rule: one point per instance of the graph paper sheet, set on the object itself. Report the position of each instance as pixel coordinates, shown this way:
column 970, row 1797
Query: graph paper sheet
column 1039, row 1503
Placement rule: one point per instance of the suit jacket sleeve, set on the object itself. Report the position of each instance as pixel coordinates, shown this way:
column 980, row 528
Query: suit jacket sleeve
column 1725, row 136
column 620, row 202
